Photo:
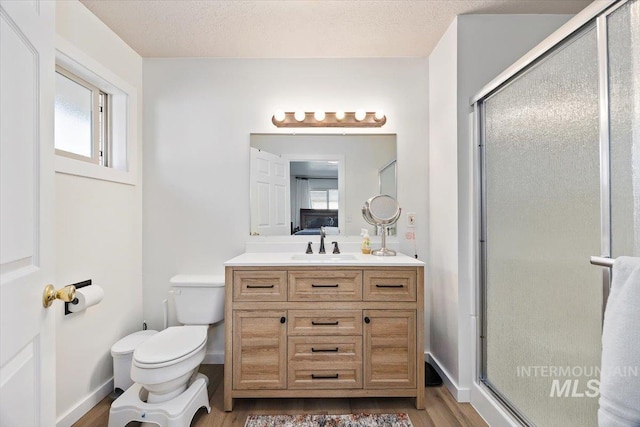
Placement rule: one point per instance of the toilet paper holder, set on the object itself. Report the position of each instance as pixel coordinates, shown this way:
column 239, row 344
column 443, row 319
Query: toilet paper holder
column 75, row 300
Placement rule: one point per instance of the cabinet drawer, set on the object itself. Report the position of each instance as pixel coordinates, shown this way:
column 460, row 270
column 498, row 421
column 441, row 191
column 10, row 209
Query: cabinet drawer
column 325, row 322
column 314, row 376
column 260, row 286
column 389, row 285
column 333, row 350
column 325, row 285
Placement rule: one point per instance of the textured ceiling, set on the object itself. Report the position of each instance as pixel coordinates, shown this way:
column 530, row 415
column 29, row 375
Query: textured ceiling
column 297, row 28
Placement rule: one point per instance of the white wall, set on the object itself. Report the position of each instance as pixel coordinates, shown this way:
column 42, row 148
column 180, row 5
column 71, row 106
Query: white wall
column 198, row 117
column 442, row 271
column 98, row 237
column 484, row 46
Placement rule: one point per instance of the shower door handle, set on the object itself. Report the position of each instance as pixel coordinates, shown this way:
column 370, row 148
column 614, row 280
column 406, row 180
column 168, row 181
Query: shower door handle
column 602, row 261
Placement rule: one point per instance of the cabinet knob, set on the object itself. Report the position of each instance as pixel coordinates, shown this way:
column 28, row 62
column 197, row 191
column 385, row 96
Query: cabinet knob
column 367, row 320
column 283, row 319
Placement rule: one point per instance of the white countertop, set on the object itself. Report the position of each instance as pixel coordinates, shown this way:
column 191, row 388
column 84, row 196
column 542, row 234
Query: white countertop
column 297, row 259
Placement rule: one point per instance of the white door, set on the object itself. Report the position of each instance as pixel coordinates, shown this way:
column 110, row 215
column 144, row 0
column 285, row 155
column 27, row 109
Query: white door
column 27, row 340
column 270, row 194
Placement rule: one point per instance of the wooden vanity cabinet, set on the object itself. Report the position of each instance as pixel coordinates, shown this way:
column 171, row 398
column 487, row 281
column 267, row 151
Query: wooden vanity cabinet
column 324, row 331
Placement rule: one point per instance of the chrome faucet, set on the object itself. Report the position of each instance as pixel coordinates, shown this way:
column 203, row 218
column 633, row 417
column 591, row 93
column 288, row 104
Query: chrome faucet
column 322, row 236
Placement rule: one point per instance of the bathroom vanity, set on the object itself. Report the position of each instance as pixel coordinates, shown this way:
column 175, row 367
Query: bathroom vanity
column 347, row 325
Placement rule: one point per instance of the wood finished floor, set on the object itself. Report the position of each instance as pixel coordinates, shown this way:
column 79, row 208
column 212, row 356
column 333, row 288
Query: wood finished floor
column 441, row 408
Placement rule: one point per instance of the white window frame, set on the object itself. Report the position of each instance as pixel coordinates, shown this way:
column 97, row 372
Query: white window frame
column 326, row 195
column 96, row 128
column 123, row 112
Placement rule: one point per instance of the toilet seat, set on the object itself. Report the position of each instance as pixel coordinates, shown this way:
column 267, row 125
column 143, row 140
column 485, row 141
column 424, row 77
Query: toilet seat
column 164, row 363
column 170, row 346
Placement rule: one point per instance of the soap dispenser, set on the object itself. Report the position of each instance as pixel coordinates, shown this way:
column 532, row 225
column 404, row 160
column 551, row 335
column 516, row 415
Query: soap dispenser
column 366, row 241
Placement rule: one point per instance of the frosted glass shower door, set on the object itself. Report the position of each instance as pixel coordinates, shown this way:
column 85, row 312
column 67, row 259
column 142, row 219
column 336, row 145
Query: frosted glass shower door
column 542, row 299
column 623, row 41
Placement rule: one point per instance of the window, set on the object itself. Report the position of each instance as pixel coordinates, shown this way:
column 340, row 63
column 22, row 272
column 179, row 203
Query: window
column 96, row 118
column 324, row 199
column 81, row 119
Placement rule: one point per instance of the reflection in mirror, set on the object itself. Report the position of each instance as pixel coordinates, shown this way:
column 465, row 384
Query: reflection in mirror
column 314, row 196
column 387, row 179
column 302, row 182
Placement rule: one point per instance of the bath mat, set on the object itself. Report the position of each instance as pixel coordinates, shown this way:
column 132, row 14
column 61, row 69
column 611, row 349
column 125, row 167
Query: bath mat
column 351, row 420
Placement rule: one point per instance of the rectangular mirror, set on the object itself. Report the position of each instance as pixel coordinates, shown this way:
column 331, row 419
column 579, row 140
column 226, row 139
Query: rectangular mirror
column 299, row 183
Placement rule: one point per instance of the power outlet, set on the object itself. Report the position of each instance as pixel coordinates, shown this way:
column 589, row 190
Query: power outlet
column 411, row 219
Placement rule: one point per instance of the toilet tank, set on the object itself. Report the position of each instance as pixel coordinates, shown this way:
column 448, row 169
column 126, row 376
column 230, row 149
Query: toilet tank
column 198, row 300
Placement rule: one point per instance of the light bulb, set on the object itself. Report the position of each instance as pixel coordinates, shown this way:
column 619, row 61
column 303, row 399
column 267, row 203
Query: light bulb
column 360, row 115
column 379, row 115
column 279, row 115
column 339, row 115
column 319, row 115
column 300, row 116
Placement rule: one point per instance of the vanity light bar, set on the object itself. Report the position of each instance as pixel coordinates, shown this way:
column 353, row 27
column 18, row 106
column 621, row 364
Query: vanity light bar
column 348, row 119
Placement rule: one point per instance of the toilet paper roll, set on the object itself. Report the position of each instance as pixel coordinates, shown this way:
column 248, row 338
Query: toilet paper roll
column 87, row 296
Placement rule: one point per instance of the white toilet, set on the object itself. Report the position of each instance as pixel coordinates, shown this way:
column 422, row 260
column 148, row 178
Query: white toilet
column 168, row 389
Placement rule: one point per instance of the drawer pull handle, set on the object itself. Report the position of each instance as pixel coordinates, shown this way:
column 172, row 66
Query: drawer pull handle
column 367, row 320
column 283, row 319
column 314, row 323
column 324, row 377
column 389, row 286
column 324, row 350
column 259, row 286
column 324, row 286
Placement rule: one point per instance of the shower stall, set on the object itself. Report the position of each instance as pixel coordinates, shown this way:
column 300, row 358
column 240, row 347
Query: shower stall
column 559, row 182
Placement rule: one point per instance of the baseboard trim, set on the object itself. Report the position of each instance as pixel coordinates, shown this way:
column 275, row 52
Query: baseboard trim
column 461, row 394
column 214, row 358
column 75, row 413
column 489, row 409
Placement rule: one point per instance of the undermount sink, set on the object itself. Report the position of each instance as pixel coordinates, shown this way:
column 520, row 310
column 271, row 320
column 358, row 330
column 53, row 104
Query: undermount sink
column 323, row 257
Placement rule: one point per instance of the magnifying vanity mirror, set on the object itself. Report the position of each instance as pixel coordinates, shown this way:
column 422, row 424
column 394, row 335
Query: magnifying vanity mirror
column 301, row 182
column 382, row 211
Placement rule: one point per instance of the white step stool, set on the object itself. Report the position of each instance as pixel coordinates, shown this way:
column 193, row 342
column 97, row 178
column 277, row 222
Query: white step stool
column 176, row 412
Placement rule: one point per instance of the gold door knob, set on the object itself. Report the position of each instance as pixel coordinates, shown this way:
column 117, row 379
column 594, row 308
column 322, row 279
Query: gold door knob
column 67, row 294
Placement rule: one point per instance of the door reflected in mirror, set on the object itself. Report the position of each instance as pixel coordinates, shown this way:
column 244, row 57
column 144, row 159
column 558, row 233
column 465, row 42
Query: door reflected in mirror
column 387, row 176
column 299, row 183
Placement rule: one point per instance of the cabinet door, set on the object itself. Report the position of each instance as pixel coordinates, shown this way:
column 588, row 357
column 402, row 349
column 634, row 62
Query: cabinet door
column 259, row 349
column 389, row 349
